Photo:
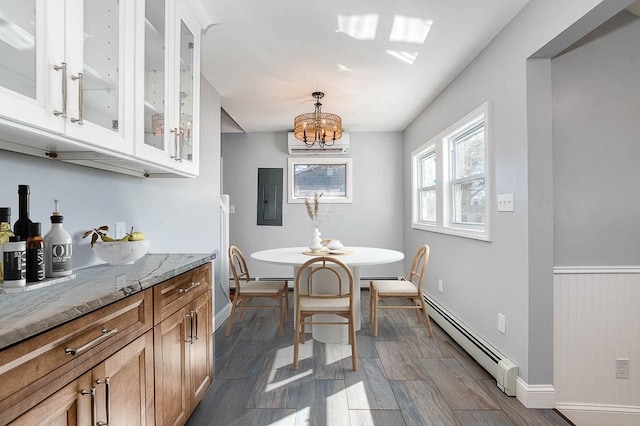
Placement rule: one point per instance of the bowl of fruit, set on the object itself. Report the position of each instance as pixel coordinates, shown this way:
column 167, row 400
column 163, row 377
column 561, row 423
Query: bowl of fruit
column 124, row 251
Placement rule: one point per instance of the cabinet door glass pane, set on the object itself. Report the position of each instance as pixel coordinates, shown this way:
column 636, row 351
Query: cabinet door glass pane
column 186, row 92
column 154, row 74
column 100, row 68
column 18, row 46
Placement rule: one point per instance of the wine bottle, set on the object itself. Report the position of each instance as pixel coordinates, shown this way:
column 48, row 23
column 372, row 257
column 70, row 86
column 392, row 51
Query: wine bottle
column 35, row 254
column 21, row 227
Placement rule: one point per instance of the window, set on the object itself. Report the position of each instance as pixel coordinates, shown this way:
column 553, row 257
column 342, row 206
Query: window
column 329, row 176
column 451, row 179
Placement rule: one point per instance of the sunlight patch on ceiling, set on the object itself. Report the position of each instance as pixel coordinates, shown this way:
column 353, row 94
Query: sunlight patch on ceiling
column 344, row 68
column 408, row 29
column 407, row 57
column 360, row 27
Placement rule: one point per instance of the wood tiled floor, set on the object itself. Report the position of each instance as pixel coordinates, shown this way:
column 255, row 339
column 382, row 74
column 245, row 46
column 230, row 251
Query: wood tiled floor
column 403, row 378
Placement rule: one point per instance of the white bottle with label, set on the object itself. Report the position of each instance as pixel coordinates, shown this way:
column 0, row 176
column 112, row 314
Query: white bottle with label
column 57, row 247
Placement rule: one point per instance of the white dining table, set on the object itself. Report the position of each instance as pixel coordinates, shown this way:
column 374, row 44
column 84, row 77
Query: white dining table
column 354, row 257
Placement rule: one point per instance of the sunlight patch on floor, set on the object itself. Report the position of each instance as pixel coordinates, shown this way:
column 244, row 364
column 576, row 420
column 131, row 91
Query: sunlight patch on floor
column 334, row 352
column 337, row 408
column 281, row 362
column 357, row 396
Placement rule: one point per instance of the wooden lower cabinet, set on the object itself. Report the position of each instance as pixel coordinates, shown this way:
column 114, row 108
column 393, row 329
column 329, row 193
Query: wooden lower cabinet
column 118, row 391
column 146, row 359
column 68, row 406
column 183, row 354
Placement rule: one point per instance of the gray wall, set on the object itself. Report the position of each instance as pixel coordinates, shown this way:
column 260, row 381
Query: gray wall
column 177, row 215
column 373, row 219
column 497, row 277
column 596, row 131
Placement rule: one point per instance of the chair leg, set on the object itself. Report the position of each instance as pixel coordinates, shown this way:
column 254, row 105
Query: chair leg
column 233, row 310
column 281, row 316
column 416, row 303
column 426, row 316
column 370, row 301
column 286, row 303
column 375, row 312
column 296, row 340
column 354, row 345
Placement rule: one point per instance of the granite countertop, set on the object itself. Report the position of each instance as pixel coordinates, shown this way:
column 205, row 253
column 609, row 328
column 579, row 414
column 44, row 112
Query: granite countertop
column 23, row 315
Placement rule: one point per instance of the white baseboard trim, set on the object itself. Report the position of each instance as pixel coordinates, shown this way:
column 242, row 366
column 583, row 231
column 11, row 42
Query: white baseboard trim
column 600, row 415
column 535, row 396
column 221, row 316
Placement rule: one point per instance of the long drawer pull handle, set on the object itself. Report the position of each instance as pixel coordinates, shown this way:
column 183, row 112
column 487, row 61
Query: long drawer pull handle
column 105, row 333
column 94, row 408
column 63, row 68
column 191, row 287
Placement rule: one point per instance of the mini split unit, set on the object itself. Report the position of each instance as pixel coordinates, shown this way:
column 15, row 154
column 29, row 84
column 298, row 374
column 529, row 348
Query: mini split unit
column 296, row 147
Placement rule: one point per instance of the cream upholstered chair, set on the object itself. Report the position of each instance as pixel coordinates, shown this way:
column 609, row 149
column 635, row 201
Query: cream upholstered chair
column 246, row 289
column 404, row 288
column 335, row 298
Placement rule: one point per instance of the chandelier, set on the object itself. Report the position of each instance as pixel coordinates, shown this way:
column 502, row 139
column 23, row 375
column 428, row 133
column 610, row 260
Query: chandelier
column 317, row 126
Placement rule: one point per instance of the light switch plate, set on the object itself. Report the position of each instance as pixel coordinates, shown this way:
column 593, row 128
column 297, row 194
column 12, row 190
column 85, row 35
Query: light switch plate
column 505, row 202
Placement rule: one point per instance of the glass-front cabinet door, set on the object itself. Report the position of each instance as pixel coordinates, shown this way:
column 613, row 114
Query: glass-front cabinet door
column 100, row 52
column 169, row 135
column 151, row 135
column 187, row 129
column 32, row 63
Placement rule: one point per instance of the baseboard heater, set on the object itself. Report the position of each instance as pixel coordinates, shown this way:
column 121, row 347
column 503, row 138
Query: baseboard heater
column 502, row 368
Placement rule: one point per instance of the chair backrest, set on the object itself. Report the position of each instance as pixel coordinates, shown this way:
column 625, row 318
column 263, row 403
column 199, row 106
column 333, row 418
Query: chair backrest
column 419, row 265
column 238, row 266
column 332, row 289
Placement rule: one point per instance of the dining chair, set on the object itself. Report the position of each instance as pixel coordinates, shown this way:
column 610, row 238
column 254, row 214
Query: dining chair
column 247, row 289
column 403, row 288
column 334, row 298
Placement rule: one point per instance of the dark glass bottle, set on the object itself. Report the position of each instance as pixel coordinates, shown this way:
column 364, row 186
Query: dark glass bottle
column 21, row 227
column 35, row 254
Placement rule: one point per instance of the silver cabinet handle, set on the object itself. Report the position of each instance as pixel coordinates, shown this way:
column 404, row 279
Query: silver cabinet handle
column 177, row 134
column 62, row 67
column 195, row 315
column 190, row 338
column 80, row 79
column 105, row 333
column 192, row 286
column 94, row 408
column 105, row 382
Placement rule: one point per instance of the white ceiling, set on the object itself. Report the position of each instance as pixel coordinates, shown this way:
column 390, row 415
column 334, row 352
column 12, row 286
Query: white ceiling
column 265, row 58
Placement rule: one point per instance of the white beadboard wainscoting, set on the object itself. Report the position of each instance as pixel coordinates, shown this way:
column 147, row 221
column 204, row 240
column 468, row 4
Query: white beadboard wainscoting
column 596, row 320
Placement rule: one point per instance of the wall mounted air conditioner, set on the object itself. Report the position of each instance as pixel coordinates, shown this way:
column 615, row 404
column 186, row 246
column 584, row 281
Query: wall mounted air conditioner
column 296, row 147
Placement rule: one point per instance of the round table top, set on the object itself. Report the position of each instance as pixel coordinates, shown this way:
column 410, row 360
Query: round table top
column 353, row 256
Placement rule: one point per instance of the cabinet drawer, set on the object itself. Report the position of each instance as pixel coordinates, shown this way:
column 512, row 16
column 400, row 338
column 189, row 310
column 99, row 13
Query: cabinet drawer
column 29, row 370
column 177, row 292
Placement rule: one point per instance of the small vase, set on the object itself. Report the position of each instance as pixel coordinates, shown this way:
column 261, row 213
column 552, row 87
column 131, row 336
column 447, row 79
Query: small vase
column 315, row 240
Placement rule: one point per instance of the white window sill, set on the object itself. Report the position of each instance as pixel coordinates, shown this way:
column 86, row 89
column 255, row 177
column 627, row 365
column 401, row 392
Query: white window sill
column 458, row 232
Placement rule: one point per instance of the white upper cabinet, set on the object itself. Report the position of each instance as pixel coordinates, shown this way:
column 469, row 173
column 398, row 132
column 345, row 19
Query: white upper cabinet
column 103, row 83
column 99, row 52
column 169, row 133
column 31, row 63
column 64, row 66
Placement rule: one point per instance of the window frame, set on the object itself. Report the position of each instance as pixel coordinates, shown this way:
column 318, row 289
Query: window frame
column 442, row 145
column 292, row 198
